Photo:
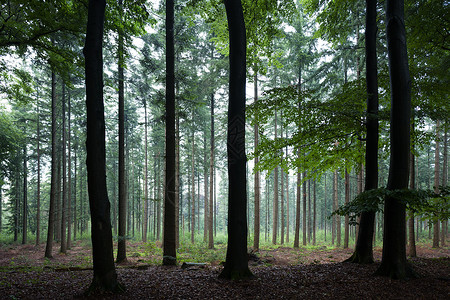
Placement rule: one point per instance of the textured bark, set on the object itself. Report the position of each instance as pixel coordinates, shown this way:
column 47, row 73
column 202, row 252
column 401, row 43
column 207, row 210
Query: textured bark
column 393, row 262
column 275, row 196
column 347, row 200
column 25, row 198
column 38, row 196
column 51, row 213
column 304, row 208
column 69, row 177
column 236, row 264
column 444, row 182
column 412, row 185
column 364, row 243
column 169, row 243
column 193, row 188
column 146, row 215
column 105, row 277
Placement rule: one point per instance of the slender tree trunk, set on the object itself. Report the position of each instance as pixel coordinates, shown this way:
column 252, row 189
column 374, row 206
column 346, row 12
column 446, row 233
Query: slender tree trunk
column 436, row 184
column 325, row 204
column 304, row 209
column 121, row 242
column 287, row 206
column 25, row 198
column 205, row 188
column 211, row 181
column 282, row 203
column 38, row 197
column 169, row 241
column 309, row 212
column 63, row 248
column 178, row 204
column 105, row 277
column 53, row 174
column 257, row 219
column 69, row 189
column 347, row 200
column 412, row 185
column 444, row 181
column 297, row 211
column 145, row 221
column 75, row 215
column 275, row 196
column 193, row 188
column 314, row 212
column 393, row 262
column 236, row 264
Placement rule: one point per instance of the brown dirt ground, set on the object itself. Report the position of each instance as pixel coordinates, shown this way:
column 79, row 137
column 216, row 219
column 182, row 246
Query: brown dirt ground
column 282, row 273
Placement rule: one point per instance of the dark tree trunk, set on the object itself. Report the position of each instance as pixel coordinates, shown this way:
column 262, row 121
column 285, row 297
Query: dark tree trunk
column 309, row 212
column 193, row 186
column 38, row 197
column 25, row 197
column 363, row 253
column 393, row 262
column 347, row 200
column 53, row 188
column 236, row 264
column 314, row 213
column 436, row 185
column 275, row 195
column 257, row 219
column 444, row 181
column 63, row 248
column 69, row 175
column 211, row 181
column 145, row 216
column 412, row 185
column 304, row 209
column 121, row 243
column 105, row 277
column 169, row 243
column 297, row 212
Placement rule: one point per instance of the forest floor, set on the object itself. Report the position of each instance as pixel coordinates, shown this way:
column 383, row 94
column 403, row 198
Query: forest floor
column 281, row 273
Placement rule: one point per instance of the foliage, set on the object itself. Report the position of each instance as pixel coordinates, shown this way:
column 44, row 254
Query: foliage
column 427, row 203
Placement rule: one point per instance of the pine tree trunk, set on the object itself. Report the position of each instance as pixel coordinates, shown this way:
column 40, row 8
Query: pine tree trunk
column 314, row 213
column 444, row 181
column 193, row 188
column 211, row 181
column 69, row 189
column 25, row 197
column 436, row 185
column 38, row 196
column 304, row 209
column 275, row 196
column 63, row 248
column 53, row 174
column 309, row 212
column 347, row 200
column 297, row 211
column 412, row 185
column 146, row 216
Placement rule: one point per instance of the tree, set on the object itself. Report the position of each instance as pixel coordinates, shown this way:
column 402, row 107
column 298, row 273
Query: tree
column 236, row 264
column 105, row 277
column 363, row 249
column 169, row 243
column 393, row 262
column 436, row 186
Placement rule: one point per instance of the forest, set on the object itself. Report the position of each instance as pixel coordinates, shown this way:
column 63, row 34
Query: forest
column 224, row 149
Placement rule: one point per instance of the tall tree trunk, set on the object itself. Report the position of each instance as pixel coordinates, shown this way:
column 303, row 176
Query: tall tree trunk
column 236, row 264
column 309, row 212
column 69, row 189
column 63, row 248
column 363, row 253
column 211, row 181
column 178, row 204
column 205, row 189
column 169, row 242
column 393, row 262
column 304, row 209
column 38, row 196
column 347, row 200
column 121, row 239
column 444, row 181
column 325, row 204
column 282, row 201
column 145, row 221
column 53, row 174
column 314, row 213
column 275, row 195
column 105, row 277
column 297, row 211
column 193, row 187
column 25, row 197
column 412, row 185
column 257, row 219
column 75, row 215
column 436, row 185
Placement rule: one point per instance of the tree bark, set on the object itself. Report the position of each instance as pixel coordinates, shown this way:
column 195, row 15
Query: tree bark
column 347, row 200
column 69, row 175
column 363, row 253
column 122, row 242
column 63, row 248
column 53, row 174
column 304, row 209
column 236, row 264
column 211, row 181
column 146, row 215
column 393, row 262
column 275, row 195
column 105, row 277
column 38, row 197
column 444, row 181
column 436, row 185
column 297, row 211
column 25, row 198
column 169, row 243
column 257, row 219
column 412, row 185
